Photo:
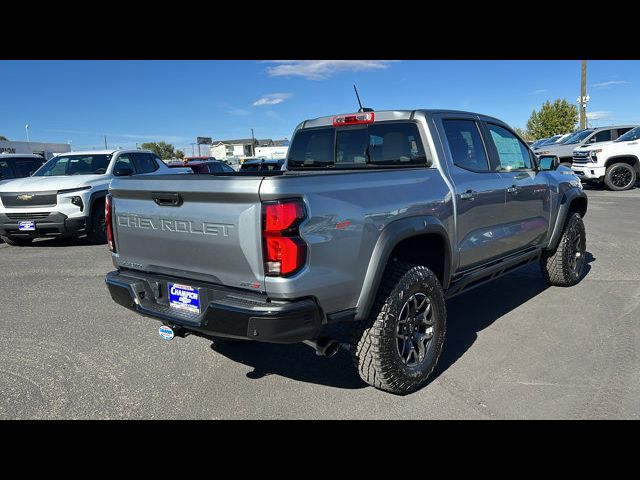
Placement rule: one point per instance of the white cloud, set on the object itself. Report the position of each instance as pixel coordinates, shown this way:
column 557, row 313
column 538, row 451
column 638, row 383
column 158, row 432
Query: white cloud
column 322, row 69
column 610, row 83
column 599, row 115
column 540, row 90
column 271, row 99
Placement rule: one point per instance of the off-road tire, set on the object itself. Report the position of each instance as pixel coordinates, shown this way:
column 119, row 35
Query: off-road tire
column 374, row 346
column 17, row 242
column 617, row 168
column 96, row 230
column 556, row 264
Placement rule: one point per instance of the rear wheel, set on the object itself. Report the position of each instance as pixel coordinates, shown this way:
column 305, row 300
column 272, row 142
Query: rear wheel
column 620, row 176
column 17, row 242
column 398, row 346
column 97, row 233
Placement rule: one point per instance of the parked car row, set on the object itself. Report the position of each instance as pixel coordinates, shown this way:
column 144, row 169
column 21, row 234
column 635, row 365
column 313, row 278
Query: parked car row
column 604, row 154
column 65, row 197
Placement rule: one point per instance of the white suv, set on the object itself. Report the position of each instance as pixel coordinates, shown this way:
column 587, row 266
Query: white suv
column 616, row 163
column 65, row 197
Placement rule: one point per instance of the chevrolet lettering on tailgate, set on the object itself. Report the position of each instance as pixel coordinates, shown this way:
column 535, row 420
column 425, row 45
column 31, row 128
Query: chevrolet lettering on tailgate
column 172, row 225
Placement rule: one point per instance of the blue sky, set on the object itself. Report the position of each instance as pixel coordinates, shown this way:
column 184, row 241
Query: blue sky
column 175, row 101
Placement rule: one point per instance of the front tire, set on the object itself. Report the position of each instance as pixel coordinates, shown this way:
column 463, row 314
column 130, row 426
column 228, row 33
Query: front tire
column 398, row 346
column 563, row 266
column 17, row 242
column 620, row 176
column 97, row 233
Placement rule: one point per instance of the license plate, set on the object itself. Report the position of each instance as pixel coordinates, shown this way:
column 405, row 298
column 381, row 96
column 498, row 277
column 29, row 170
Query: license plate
column 27, row 226
column 184, row 298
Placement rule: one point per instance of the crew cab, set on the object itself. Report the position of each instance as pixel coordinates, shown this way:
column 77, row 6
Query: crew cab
column 616, row 163
column 375, row 219
column 65, row 196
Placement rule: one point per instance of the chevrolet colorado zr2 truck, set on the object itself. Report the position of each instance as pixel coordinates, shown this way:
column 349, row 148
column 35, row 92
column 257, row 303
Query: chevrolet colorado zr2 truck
column 65, row 196
column 375, row 219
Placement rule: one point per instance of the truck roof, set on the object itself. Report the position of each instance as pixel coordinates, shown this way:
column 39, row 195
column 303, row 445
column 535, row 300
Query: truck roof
column 20, row 155
column 387, row 115
column 110, row 151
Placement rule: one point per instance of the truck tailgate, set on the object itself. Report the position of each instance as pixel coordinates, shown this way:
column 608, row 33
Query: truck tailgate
column 201, row 227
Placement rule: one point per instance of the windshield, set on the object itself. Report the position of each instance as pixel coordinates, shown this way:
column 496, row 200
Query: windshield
column 66, row 165
column 633, row 134
column 551, row 140
column 576, row 137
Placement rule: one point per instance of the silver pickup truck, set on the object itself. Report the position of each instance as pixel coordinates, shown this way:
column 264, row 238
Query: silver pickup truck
column 375, row 219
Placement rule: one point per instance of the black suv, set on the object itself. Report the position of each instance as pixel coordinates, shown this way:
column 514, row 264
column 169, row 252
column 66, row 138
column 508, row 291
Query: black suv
column 15, row 165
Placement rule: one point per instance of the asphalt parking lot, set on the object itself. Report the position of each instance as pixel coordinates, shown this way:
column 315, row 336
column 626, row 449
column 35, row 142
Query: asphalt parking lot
column 515, row 348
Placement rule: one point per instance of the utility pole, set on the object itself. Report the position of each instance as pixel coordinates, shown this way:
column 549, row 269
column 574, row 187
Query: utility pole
column 584, row 98
column 193, row 150
column 253, row 144
column 105, row 143
column 26, row 127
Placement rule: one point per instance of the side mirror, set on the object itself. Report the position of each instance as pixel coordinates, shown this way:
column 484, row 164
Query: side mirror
column 123, row 172
column 548, row 162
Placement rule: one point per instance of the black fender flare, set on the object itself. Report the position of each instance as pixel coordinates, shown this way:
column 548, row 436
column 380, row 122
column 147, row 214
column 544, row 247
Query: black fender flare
column 391, row 235
column 563, row 210
column 95, row 197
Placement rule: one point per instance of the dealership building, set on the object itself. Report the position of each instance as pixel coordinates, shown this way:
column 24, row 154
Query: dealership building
column 47, row 150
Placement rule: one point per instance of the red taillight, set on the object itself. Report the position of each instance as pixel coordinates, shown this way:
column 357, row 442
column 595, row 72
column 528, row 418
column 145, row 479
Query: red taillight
column 353, row 119
column 108, row 223
column 284, row 250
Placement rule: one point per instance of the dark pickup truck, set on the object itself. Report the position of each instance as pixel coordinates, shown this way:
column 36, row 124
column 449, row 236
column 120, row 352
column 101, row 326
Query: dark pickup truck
column 375, row 219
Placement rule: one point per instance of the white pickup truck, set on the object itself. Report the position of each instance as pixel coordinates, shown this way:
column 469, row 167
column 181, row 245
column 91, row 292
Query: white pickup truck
column 616, row 163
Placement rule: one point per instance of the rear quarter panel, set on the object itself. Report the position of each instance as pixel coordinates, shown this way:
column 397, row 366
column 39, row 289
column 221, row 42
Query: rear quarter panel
column 347, row 211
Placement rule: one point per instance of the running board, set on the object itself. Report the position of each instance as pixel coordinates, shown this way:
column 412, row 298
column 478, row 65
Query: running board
column 485, row 274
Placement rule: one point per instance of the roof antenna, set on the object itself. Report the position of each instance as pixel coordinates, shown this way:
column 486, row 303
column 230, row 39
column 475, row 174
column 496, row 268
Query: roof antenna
column 362, row 109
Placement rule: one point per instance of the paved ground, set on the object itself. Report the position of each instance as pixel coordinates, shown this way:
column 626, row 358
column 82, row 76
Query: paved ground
column 515, row 349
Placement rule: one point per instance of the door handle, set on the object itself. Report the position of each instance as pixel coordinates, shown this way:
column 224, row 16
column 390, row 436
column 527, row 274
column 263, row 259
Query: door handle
column 513, row 189
column 468, row 195
column 165, row 199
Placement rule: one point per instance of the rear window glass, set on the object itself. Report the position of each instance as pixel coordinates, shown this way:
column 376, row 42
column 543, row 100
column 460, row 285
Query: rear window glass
column 393, row 144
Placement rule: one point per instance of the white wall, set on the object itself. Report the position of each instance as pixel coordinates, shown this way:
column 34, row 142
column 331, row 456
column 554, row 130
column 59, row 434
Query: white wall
column 35, row 147
column 270, row 153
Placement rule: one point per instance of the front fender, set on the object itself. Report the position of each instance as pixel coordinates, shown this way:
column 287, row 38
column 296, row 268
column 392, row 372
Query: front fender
column 565, row 198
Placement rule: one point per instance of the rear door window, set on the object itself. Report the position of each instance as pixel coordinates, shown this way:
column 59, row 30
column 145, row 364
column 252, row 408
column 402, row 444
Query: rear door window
column 465, row 145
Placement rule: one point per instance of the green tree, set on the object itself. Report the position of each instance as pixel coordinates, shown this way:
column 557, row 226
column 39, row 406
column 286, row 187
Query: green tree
column 3, row 138
column 555, row 118
column 164, row 150
column 179, row 154
column 524, row 134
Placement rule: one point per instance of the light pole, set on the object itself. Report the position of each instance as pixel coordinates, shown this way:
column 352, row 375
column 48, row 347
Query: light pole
column 584, row 98
column 26, row 127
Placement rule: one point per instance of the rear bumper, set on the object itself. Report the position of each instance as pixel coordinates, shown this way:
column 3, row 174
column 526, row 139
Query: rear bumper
column 225, row 312
column 54, row 224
